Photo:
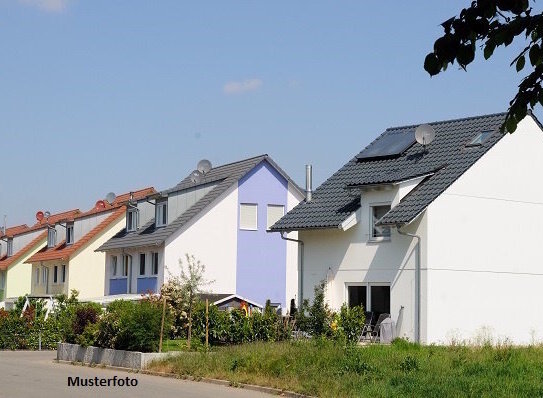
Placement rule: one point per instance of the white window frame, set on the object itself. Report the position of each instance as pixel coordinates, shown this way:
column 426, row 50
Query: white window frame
column 371, row 226
column 70, row 234
column 268, row 223
column 114, row 262
column 135, row 217
column 161, row 211
column 144, row 275
column 55, row 274
column 9, row 248
column 245, row 228
column 63, row 269
column 368, row 291
column 154, row 263
column 45, row 275
column 37, row 275
column 51, row 237
column 125, row 270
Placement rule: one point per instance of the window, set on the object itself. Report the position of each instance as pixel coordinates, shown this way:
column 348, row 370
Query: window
column 69, row 234
column 63, row 275
column 10, row 248
column 248, row 216
column 131, row 220
column 55, row 274
column 161, row 215
column 480, row 138
column 51, row 237
column 125, row 265
column 374, row 297
column 357, row 296
column 379, row 232
column 2, row 279
column 274, row 213
column 113, row 265
column 37, row 279
column 44, row 275
column 154, row 263
column 142, row 263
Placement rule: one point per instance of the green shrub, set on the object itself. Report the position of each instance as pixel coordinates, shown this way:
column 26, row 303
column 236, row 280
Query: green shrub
column 131, row 326
column 85, row 314
column 349, row 323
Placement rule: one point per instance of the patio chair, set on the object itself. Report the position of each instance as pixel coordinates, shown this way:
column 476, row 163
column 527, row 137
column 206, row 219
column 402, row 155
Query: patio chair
column 377, row 328
column 366, row 330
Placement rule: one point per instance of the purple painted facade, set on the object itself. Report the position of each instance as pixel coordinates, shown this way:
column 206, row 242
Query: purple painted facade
column 262, row 256
column 147, row 284
column 118, row 286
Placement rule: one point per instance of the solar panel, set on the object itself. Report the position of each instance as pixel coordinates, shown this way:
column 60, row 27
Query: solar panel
column 391, row 143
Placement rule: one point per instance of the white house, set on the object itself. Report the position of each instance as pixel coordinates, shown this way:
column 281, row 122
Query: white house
column 445, row 238
column 221, row 216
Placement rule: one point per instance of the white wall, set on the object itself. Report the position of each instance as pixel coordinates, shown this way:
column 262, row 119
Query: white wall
column 212, row 238
column 343, row 257
column 485, row 263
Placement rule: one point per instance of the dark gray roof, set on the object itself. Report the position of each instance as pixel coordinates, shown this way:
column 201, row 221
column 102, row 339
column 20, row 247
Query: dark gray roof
column 224, row 176
column 446, row 159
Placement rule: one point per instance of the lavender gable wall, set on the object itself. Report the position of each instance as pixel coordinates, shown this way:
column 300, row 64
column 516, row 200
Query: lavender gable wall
column 261, row 256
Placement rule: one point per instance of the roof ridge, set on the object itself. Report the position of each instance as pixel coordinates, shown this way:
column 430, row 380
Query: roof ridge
column 265, row 155
column 447, row 121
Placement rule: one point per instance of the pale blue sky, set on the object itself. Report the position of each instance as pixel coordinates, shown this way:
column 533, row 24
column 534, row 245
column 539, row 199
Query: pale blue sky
column 100, row 95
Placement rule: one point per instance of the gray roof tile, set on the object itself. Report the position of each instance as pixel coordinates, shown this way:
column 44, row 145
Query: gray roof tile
column 446, row 159
column 225, row 176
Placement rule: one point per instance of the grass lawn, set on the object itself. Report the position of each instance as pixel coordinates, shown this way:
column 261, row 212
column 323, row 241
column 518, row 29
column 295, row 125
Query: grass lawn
column 327, row 369
column 174, row 345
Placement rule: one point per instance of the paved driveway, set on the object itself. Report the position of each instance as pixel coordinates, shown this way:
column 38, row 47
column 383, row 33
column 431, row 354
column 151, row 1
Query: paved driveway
column 32, row 374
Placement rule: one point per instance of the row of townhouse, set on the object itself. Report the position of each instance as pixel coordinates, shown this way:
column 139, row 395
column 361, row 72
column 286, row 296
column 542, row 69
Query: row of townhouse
column 445, row 237
column 131, row 246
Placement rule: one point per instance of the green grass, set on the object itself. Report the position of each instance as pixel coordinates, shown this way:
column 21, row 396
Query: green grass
column 174, row 345
column 327, row 369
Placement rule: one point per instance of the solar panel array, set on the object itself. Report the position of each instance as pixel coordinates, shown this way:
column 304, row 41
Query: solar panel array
column 390, row 144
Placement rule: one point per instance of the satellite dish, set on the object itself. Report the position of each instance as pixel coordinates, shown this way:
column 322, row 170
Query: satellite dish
column 204, row 166
column 110, row 198
column 39, row 215
column 196, row 176
column 100, row 204
column 47, row 214
column 425, row 134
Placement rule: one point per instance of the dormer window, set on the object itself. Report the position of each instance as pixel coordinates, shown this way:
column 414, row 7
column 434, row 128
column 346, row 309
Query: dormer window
column 10, row 248
column 69, row 234
column 51, row 237
column 131, row 220
column 161, row 215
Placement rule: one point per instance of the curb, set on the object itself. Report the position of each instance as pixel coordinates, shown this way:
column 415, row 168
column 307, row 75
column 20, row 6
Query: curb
column 226, row 383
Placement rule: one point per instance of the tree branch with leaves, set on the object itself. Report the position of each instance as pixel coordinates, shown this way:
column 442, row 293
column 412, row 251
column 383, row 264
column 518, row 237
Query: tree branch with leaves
column 487, row 25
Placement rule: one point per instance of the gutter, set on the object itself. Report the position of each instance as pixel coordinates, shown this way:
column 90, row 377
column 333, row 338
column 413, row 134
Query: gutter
column 301, row 244
column 417, row 280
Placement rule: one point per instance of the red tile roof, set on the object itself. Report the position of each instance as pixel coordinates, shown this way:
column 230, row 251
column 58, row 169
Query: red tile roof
column 55, row 218
column 5, row 261
column 15, row 230
column 119, row 201
column 63, row 251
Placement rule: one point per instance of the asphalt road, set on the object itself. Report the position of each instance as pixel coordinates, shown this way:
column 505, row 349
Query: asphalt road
column 32, row 374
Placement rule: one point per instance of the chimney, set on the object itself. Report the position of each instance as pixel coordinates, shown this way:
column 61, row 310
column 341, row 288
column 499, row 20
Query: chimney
column 308, row 182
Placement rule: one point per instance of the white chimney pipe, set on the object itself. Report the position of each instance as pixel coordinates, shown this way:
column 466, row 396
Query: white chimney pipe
column 308, row 182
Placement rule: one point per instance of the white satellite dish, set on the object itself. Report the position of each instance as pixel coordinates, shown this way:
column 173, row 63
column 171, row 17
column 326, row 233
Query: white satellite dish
column 110, row 197
column 425, row 134
column 47, row 214
column 196, row 176
column 204, row 166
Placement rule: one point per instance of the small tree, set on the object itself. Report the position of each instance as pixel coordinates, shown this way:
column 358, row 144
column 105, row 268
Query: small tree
column 186, row 287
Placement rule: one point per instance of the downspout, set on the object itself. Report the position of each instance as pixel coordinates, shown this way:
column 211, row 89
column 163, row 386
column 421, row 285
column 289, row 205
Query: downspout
column 301, row 244
column 417, row 282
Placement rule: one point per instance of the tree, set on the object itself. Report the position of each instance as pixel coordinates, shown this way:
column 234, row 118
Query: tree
column 491, row 24
column 186, row 287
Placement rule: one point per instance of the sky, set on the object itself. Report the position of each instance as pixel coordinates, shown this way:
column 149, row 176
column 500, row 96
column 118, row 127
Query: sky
column 99, row 95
